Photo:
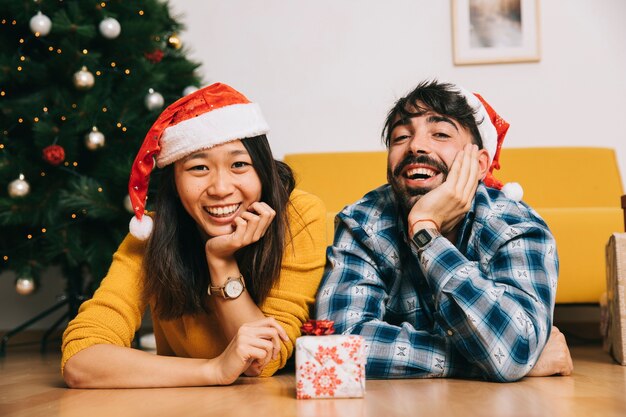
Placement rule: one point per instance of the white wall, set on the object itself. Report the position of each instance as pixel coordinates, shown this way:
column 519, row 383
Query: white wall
column 325, row 72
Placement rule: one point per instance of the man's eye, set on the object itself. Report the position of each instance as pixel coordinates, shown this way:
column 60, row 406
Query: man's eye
column 400, row 138
column 442, row 135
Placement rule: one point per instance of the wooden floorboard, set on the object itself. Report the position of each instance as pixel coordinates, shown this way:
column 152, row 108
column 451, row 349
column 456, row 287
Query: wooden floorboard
column 31, row 386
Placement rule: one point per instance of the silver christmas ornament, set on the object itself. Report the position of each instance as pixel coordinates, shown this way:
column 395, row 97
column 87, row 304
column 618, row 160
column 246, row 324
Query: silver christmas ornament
column 94, row 139
column 40, row 24
column 83, row 79
column 128, row 205
column 110, row 28
column 19, row 187
column 189, row 89
column 154, row 100
column 25, row 285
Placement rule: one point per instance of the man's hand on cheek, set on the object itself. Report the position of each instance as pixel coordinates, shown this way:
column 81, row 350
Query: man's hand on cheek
column 448, row 203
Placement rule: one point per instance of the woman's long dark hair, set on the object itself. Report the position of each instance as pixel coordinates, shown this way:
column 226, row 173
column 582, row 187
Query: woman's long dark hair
column 175, row 266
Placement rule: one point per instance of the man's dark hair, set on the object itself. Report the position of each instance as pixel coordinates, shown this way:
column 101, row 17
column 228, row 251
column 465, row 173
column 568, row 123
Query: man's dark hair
column 175, row 266
column 442, row 98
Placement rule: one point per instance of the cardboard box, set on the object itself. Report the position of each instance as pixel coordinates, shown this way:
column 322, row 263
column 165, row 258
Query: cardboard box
column 614, row 326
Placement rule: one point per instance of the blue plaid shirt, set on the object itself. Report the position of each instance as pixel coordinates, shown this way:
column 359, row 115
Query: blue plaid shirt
column 479, row 308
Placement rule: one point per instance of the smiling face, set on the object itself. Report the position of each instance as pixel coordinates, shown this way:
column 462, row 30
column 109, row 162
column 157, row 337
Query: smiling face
column 216, row 185
column 421, row 151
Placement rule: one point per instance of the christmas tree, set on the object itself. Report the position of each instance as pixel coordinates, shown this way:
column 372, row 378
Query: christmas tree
column 81, row 82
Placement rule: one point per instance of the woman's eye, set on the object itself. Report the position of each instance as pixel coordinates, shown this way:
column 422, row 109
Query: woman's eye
column 240, row 164
column 199, row 168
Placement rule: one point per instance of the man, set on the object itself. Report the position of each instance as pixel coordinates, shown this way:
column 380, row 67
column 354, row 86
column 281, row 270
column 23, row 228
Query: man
column 442, row 275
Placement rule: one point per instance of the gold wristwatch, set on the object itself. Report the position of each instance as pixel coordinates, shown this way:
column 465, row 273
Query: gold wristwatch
column 232, row 288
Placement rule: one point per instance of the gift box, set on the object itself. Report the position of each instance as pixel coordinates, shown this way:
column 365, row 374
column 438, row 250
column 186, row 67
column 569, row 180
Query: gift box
column 614, row 316
column 330, row 366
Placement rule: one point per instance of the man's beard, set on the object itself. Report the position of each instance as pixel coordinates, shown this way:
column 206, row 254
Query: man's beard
column 407, row 197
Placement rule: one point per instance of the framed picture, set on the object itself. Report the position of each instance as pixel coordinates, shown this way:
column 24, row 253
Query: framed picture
column 495, row 31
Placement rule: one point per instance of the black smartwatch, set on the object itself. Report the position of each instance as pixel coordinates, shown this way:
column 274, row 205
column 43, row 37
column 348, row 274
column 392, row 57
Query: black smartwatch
column 423, row 237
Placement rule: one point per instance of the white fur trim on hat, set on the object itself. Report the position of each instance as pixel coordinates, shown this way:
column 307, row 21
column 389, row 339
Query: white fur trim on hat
column 225, row 124
column 141, row 229
column 487, row 130
column 513, row 190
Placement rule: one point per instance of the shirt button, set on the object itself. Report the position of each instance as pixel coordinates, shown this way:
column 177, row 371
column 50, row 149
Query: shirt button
column 450, row 332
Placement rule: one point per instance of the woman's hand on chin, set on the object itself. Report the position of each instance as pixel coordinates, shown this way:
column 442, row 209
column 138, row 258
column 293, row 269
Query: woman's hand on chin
column 249, row 228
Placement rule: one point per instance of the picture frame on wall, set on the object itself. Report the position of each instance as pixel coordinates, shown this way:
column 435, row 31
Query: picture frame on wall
column 495, row 31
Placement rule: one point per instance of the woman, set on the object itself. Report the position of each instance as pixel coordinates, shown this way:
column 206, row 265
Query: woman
column 231, row 263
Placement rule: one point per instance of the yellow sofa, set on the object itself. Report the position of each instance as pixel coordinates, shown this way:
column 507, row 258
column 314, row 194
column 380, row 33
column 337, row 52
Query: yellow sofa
column 576, row 190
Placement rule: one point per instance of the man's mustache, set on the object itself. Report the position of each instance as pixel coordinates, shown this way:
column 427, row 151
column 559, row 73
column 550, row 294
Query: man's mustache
column 420, row 159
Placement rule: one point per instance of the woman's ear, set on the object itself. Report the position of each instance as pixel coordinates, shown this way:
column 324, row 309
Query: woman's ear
column 483, row 163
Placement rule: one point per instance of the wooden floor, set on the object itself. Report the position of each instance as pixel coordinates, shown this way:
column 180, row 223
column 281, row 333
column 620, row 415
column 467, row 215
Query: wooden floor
column 30, row 385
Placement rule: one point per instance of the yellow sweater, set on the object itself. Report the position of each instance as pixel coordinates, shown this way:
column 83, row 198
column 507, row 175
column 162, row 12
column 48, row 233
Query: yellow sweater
column 114, row 313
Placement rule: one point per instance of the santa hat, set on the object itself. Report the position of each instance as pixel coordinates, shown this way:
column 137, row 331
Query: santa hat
column 208, row 117
column 492, row 129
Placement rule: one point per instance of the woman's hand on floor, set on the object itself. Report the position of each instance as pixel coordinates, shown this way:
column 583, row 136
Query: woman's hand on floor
column 255, row 344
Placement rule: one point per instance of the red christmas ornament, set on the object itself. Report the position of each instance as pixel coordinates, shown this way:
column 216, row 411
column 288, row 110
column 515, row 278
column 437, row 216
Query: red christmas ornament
column 54, row 154
column 155, row 56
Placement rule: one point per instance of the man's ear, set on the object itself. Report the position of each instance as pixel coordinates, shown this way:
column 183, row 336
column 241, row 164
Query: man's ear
column 483, row 163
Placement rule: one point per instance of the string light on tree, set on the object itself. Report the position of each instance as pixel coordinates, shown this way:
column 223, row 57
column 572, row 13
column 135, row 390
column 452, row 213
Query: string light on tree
column 154, row 100
column 19, row 187
column 110, row 28
column 94, row 139
column 25, row 285
column 40, row 24
column 83, row 79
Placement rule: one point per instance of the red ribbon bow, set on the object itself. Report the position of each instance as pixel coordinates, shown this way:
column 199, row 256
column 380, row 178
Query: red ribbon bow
column 318, row 327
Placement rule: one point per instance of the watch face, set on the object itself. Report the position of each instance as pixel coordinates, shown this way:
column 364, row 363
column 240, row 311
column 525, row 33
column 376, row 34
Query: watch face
column 422, row 238
column 233, row 288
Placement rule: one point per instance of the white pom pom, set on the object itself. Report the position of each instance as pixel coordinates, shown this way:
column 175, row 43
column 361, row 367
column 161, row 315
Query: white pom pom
column 141, row 229
column 513, row 190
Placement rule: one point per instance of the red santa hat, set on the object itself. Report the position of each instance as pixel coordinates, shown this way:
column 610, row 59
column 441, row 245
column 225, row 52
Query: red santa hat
column 208, row 117
column 492, row 129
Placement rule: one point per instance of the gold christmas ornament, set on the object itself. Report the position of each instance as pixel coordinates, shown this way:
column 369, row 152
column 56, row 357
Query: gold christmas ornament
column 25, row 285
column 19, row 187
column 83, row 79
column 94, row 139
column 174, row 41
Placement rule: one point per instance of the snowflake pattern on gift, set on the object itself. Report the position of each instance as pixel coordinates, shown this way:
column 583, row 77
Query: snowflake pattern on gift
column 323, row 355
column 300, row 392
column 307, row 370
column 326, row 382
column 353, row 346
